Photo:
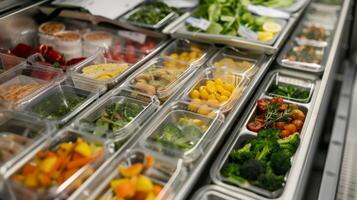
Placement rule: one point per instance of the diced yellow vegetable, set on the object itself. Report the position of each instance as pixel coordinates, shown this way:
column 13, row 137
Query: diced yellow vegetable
column 84, row 149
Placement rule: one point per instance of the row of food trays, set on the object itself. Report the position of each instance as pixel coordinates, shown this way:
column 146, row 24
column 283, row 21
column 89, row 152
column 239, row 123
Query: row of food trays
column 93, row 129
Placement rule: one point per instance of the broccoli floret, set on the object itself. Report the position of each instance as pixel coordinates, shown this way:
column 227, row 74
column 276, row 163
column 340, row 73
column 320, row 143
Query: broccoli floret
column 263, row 148
column 243, row 154
column 251, row 169
column 270, row 181
column 280, row 163
column 269, row 133
column 230, row 170
column 290, row 144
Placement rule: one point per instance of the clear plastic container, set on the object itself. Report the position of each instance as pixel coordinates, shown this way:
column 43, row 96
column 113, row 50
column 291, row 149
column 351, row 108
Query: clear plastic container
column 24, row 81
column 232, row 59
column 20, row 134
column 9, row 61
column 166, row 172
column 108, row 72
column 227, row 87
column 63, row 185
column 61, row 102
column 290, row 82
column 156, row 78
column 179, row 133
column 187, row 51
column 87, row 120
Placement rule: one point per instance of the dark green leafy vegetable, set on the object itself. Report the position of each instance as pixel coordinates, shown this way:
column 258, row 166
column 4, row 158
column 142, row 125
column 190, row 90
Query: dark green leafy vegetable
column 57, row 105
column 306, row 54
column 262, row 161
column 183, row 134
column 152, row 13
column 116, row 116
column 289, row 92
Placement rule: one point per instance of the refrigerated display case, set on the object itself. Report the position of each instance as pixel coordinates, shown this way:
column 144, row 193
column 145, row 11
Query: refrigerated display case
column 173, row 103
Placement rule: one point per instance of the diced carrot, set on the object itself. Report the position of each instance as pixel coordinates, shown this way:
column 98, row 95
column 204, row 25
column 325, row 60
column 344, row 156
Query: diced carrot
column 50, row 154
column 44, row 179
column 76, row 156
column 157, row 189
column 131, row 171
column 41, row 154
column 69, row 173
column 77, row 163
column 149, row 161
column 18, row 177
column 29, row 168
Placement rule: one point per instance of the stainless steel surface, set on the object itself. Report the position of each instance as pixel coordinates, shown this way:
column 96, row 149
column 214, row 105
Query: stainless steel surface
column 215, row 192
column 241, row 131
column 335, row 154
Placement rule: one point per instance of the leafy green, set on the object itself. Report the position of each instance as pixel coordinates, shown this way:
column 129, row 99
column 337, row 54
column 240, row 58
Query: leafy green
column 226, row 16
column 152, row 13
column 183, row 134
column 116, row 116
column 273, row 3
column 289, row 92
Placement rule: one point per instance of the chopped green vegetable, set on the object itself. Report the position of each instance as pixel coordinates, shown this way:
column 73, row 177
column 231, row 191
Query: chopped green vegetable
column 273, row 3
column 183, row 134
column 116, row 116
column 289, row 92
column 57, row 105
column 152, row 13
column 262, row 161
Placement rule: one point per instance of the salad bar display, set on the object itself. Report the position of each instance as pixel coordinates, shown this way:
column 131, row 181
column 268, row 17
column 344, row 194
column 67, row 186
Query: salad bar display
column 118, row 110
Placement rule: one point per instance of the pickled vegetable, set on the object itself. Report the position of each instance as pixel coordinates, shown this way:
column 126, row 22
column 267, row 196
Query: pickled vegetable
column 105, row 71
column 313, row 32
column 52, row 167
column 306, row 54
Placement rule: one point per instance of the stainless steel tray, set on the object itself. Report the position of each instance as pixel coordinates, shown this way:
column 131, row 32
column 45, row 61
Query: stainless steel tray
column 216, row 192
column 177, row 29
column 241, row 132
column 164, row 21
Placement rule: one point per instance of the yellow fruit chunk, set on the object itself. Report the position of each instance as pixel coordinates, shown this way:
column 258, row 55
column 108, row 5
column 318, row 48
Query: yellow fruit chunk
column 228, row 87
column 265, row 36
column 150, row 196
column 115, row 182
column 125, row 189
column 83, row 149
column 195, row 94
column 213, row 102
column 48, row 165
column 223, row 99
column 203, row 110
column 131, row 171
column 144, row 184
column 204, row 94
column 272, row 27
column 31, row 181
column 193, row 104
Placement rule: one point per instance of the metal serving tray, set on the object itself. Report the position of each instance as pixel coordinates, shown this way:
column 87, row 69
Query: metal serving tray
column 85, row 120
column 172, row 113
column 216, row 192
column 168, row 172
column 241, row 134
column 63, row 190
column 164, row 21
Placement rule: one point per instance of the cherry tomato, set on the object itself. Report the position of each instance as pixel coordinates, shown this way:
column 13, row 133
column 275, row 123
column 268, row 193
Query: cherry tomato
column 262, row 104
column 280, row 125
column 291, row 128
column 260, row 118
column 255, row 126
column 277, row 100
column 298, row 123
column 298, row 114
column 283, row 107
column 284, row 133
